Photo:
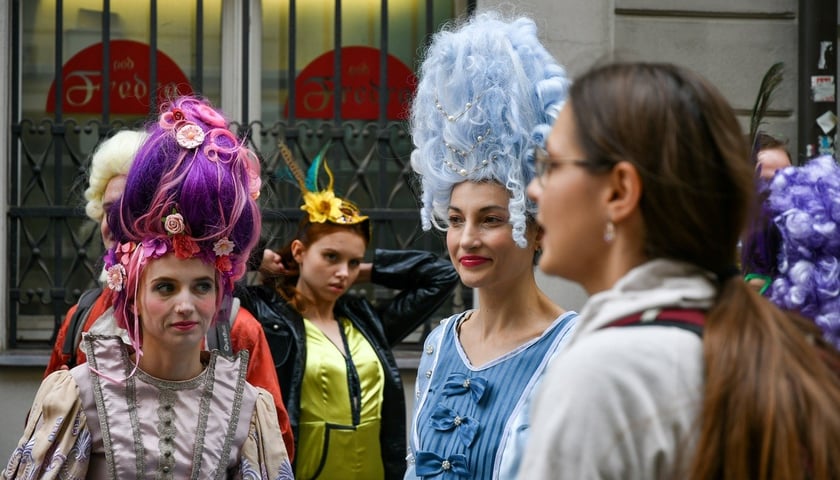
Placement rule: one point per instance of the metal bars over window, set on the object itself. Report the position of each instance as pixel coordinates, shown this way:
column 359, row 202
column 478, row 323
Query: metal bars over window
column 54, row 250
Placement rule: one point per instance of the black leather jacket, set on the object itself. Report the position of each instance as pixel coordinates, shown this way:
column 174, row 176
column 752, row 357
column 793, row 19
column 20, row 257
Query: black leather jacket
column 424, row 280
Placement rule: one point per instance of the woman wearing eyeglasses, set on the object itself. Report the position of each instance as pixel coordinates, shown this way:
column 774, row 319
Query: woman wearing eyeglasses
column 678, row 369
column 488, row 90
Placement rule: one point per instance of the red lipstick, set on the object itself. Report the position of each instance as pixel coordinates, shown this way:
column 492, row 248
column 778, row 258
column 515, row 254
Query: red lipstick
column 473, row 260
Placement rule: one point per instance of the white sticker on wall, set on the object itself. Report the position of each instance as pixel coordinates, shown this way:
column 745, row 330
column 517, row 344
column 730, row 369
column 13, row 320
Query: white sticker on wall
column 822, row 88
column 827, row 121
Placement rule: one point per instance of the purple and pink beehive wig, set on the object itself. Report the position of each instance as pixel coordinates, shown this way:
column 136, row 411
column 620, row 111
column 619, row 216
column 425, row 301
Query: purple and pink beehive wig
column 191, row 191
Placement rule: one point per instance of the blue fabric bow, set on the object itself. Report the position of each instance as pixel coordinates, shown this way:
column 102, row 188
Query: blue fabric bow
column 459, row 384
column 428, row 464
column 444, row 418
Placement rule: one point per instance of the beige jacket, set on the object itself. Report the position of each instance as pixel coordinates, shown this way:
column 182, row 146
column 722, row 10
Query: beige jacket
column 620, row 403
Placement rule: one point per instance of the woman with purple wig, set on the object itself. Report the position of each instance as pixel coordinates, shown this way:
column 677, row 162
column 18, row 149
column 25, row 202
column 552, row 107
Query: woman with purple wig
column 162, row 407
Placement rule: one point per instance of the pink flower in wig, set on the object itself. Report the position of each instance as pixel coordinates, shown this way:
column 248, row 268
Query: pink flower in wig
column 116, row 277
column 154, row 248
column 174, row 223
column 124, row 251
column 223, row 264
column 223, row 247
column 171, row 120
column 210, row 116
column 184, row 246
column 189, row 135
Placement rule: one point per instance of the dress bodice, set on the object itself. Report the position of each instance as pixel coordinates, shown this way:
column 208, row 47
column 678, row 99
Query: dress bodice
column 153, row 428
column 465, row 417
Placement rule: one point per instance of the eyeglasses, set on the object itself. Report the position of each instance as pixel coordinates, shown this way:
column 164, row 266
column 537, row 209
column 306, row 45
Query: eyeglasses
column 544, row 165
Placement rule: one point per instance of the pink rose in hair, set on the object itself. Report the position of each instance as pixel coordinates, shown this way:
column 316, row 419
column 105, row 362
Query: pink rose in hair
column 174, row 224
column 171, row 120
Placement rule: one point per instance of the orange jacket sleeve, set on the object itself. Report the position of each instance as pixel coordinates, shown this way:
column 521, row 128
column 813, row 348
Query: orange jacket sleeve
column 247, row 333
column 57, row 359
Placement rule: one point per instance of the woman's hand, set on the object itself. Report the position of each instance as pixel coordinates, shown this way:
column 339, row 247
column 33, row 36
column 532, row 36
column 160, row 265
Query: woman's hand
column 272, row 264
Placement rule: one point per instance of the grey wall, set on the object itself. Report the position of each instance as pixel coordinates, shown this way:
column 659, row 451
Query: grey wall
column 730, row 42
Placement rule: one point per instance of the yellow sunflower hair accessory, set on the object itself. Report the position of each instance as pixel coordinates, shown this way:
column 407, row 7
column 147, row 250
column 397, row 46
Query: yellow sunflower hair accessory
column 321, row 205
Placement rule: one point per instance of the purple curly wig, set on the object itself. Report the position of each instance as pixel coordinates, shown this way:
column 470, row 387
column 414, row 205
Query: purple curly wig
column 805, row 205
column 192, row 190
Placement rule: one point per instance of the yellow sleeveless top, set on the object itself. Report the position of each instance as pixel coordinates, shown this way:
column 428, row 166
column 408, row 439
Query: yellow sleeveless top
column 338, row 434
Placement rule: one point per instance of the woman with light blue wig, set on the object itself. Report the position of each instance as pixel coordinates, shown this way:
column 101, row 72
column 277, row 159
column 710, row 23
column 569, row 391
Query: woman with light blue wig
column 487, row 96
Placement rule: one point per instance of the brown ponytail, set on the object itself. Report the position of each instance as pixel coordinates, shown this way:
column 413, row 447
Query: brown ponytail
column 771, row 403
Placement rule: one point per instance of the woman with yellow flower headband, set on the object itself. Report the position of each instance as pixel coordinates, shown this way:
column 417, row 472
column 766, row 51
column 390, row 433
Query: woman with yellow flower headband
column 162, row 407
column 338, row 377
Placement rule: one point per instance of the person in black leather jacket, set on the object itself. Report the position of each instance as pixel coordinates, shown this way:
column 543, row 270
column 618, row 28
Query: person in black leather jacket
column 424, row 281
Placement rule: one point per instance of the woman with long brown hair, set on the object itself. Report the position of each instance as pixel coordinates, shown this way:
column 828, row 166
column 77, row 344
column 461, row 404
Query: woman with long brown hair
column 678, row 369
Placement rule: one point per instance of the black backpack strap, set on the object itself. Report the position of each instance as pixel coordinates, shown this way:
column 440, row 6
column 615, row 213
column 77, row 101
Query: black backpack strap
column 218, row 337
column 77, row 323
column 690, row 319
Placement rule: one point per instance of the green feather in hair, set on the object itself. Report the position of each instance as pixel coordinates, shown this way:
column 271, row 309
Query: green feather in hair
column 312, row 174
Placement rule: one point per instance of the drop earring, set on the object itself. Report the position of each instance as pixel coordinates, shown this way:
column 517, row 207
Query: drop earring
column 609, row 232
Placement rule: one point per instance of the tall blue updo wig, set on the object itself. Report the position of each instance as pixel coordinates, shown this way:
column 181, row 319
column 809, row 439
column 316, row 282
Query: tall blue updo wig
column 487, row 96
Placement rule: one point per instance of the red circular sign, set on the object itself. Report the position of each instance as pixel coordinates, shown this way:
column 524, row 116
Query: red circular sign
column 129, row 79
column 360, row 86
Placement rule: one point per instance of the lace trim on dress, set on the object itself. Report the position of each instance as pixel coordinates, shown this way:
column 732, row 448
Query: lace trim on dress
column 102, row 414
column 236, row 410
column 134, row 420
column 203, row 415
